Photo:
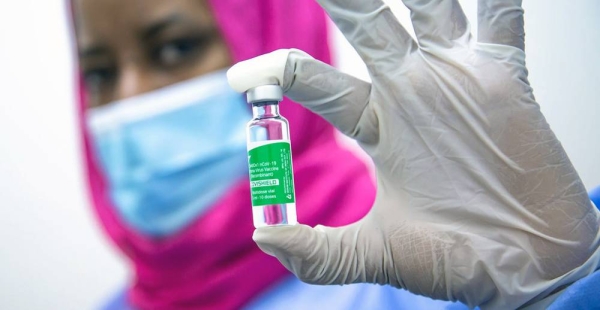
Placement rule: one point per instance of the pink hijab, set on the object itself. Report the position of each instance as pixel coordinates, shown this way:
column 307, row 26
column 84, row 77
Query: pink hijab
column 213, row 263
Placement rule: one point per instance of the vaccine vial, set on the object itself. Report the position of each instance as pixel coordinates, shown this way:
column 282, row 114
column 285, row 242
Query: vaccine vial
column 270, row 159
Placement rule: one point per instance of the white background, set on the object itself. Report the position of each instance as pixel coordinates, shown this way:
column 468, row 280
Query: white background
column 53, row 254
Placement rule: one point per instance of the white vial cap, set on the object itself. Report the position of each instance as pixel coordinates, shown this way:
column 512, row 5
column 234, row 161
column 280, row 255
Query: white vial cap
column 264, row 93
column 266, row 69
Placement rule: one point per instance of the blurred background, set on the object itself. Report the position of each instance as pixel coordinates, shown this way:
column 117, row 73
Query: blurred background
column 53, row 254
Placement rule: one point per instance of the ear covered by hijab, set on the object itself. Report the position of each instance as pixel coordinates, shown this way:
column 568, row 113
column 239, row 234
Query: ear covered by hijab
column 214, row 255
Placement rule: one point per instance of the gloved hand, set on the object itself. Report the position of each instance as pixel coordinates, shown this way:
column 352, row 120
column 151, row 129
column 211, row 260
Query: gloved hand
column 477, row 201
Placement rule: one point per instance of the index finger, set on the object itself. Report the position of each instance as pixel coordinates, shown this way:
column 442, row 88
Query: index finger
column 372, row 29
column 501, row 22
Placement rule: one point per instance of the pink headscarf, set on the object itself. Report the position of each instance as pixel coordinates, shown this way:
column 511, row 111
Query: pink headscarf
column 213, row 263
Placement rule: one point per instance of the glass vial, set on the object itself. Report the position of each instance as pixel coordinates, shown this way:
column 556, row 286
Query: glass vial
column 270, row 160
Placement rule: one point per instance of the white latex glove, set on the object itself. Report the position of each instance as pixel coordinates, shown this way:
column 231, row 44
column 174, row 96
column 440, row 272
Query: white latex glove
column 477, row 200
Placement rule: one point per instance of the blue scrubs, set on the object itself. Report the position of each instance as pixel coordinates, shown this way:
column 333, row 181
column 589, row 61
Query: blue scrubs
column 595, row 196
column 293, row 294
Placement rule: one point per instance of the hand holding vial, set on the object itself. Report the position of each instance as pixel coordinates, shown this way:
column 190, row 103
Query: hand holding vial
column 477, row 201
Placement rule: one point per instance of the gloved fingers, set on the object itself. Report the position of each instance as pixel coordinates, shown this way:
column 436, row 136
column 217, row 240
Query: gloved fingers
column 341, row 99
column 324, row 255
column 438, row 22
column 501, row 22
column 373, row 30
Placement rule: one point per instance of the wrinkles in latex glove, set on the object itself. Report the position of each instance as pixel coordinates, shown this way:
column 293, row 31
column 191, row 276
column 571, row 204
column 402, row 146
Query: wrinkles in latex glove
column 477, row 201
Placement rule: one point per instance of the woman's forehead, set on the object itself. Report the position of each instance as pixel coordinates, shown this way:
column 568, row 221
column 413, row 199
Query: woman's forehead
column 101, row 18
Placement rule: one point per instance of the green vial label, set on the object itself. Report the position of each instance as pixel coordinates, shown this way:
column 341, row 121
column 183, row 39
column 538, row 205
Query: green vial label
column 271, row 175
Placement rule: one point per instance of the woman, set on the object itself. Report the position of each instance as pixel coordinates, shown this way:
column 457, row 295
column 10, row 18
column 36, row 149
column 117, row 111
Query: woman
column 166, row 157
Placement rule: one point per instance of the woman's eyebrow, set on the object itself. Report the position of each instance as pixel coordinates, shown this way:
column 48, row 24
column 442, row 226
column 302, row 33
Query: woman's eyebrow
column 156, row 27
column 92, row 51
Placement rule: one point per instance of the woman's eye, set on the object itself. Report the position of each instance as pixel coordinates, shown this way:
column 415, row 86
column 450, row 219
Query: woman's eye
column 176, row 52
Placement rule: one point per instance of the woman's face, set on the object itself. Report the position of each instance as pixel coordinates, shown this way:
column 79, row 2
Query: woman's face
column 128, row 47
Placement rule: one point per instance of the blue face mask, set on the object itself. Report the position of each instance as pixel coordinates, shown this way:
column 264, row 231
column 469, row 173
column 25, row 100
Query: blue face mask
column 170, row 154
